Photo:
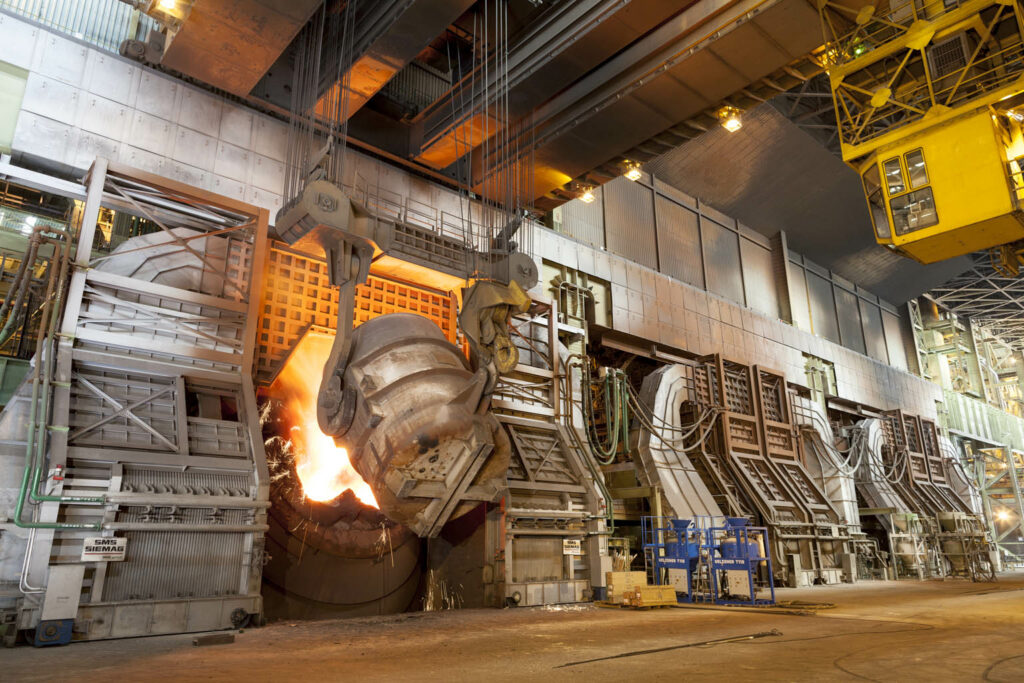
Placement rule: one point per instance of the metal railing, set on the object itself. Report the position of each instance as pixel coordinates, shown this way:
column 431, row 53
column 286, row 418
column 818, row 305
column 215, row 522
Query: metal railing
column 850, row 35
column 971, row 417
column 385, row 203
column 103, row 23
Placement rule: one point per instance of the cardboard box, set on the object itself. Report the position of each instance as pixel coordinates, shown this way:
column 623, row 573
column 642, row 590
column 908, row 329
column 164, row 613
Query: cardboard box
column 651, row 596
column 621, row 583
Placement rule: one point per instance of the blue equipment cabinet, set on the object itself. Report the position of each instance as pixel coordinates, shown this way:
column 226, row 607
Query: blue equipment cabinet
column 739, row 548
column 716, row 552
column 672, row 544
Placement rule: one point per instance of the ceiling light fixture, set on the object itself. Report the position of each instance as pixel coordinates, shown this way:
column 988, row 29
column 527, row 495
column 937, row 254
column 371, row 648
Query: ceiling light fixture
column 633, row 171
column 1003, row 515
column 168, row 5
column 729, row 117
column 587, row 195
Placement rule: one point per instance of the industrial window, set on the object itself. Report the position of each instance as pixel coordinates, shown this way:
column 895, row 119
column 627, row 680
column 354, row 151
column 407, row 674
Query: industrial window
column 916, row 169
column 914, row 211
column 894, row 176
column 873, row 191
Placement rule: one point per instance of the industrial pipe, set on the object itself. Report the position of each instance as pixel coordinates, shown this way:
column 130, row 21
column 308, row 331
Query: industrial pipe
column 203, row 528
column 45, row 347
column 18, row 289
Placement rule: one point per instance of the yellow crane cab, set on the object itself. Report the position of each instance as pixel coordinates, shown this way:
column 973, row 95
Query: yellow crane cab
column 929, row 100
column 952, row 189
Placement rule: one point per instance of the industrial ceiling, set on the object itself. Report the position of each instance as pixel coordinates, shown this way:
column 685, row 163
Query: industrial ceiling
column 590, row 82
column 591, row 85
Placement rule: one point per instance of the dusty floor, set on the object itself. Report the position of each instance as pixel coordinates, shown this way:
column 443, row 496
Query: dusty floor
column 907, row 631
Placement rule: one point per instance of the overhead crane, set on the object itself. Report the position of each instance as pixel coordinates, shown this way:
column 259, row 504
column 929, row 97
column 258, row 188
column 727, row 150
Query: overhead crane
column 929, row 99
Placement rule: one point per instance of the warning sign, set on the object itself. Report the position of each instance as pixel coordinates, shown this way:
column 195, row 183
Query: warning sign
column 572, row 546
column 104, row 549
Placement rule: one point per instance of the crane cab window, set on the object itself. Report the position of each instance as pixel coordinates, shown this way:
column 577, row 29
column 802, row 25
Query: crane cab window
column 873, row 190
column 914, row 209
column 894, row 176
column 916, row 169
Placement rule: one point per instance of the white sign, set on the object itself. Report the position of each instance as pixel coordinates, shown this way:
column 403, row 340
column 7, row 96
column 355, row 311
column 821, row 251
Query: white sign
column 572, row 546
column 104, row 549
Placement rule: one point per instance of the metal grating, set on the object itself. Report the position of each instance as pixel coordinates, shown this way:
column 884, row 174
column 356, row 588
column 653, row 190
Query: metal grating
column 167, row 565
column 298, row 295
column 121, row 410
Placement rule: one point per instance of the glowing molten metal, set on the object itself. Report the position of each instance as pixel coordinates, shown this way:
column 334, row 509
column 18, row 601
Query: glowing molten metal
column 323, row 467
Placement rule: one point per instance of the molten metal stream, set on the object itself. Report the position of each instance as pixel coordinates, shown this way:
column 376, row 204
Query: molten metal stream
column 323, row 467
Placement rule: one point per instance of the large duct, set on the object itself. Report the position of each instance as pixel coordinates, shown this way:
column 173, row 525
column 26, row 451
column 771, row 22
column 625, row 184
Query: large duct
column 837, row 469
column 663, row 461
column 874, row 482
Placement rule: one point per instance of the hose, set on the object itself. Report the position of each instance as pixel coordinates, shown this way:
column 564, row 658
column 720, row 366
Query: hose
column 595, row 473
column 616, row 403
column 35, row 451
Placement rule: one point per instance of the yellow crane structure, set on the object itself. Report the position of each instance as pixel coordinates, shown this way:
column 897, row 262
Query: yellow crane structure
column 929, row 100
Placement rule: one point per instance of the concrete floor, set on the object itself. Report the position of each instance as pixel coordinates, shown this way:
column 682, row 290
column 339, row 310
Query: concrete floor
column 906, row 631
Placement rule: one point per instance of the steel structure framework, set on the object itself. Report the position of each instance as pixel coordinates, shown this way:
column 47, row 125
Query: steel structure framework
column 552, row 487
column 152, row 425
column 999, row 473
column 886, row 73
column 989, row 298
column 811, row 107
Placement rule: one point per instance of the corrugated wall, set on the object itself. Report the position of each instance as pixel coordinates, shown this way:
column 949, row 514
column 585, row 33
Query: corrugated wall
column 584, row 222
column 894, row 340
column 758, row 278
column 104, row 23
column 823, row 308
column 679, row 242
column 629, row 222
column 722, row 260
column 848, row 308
column 657, row 226
column 799, row 304
column 874, row 334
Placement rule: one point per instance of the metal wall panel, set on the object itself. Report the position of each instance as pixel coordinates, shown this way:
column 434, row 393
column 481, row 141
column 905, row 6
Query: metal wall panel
column 894, row 340
column 874, row 333
column 799, row 305
column 823, row 308
column 170, row 565
column 848, row 308
column 679, row 242
column 758, row 278
column 629, row 221
column 585, row 222
column 722, row 260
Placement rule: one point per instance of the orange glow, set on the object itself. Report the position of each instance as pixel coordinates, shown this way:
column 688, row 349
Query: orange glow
column 323, row 467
